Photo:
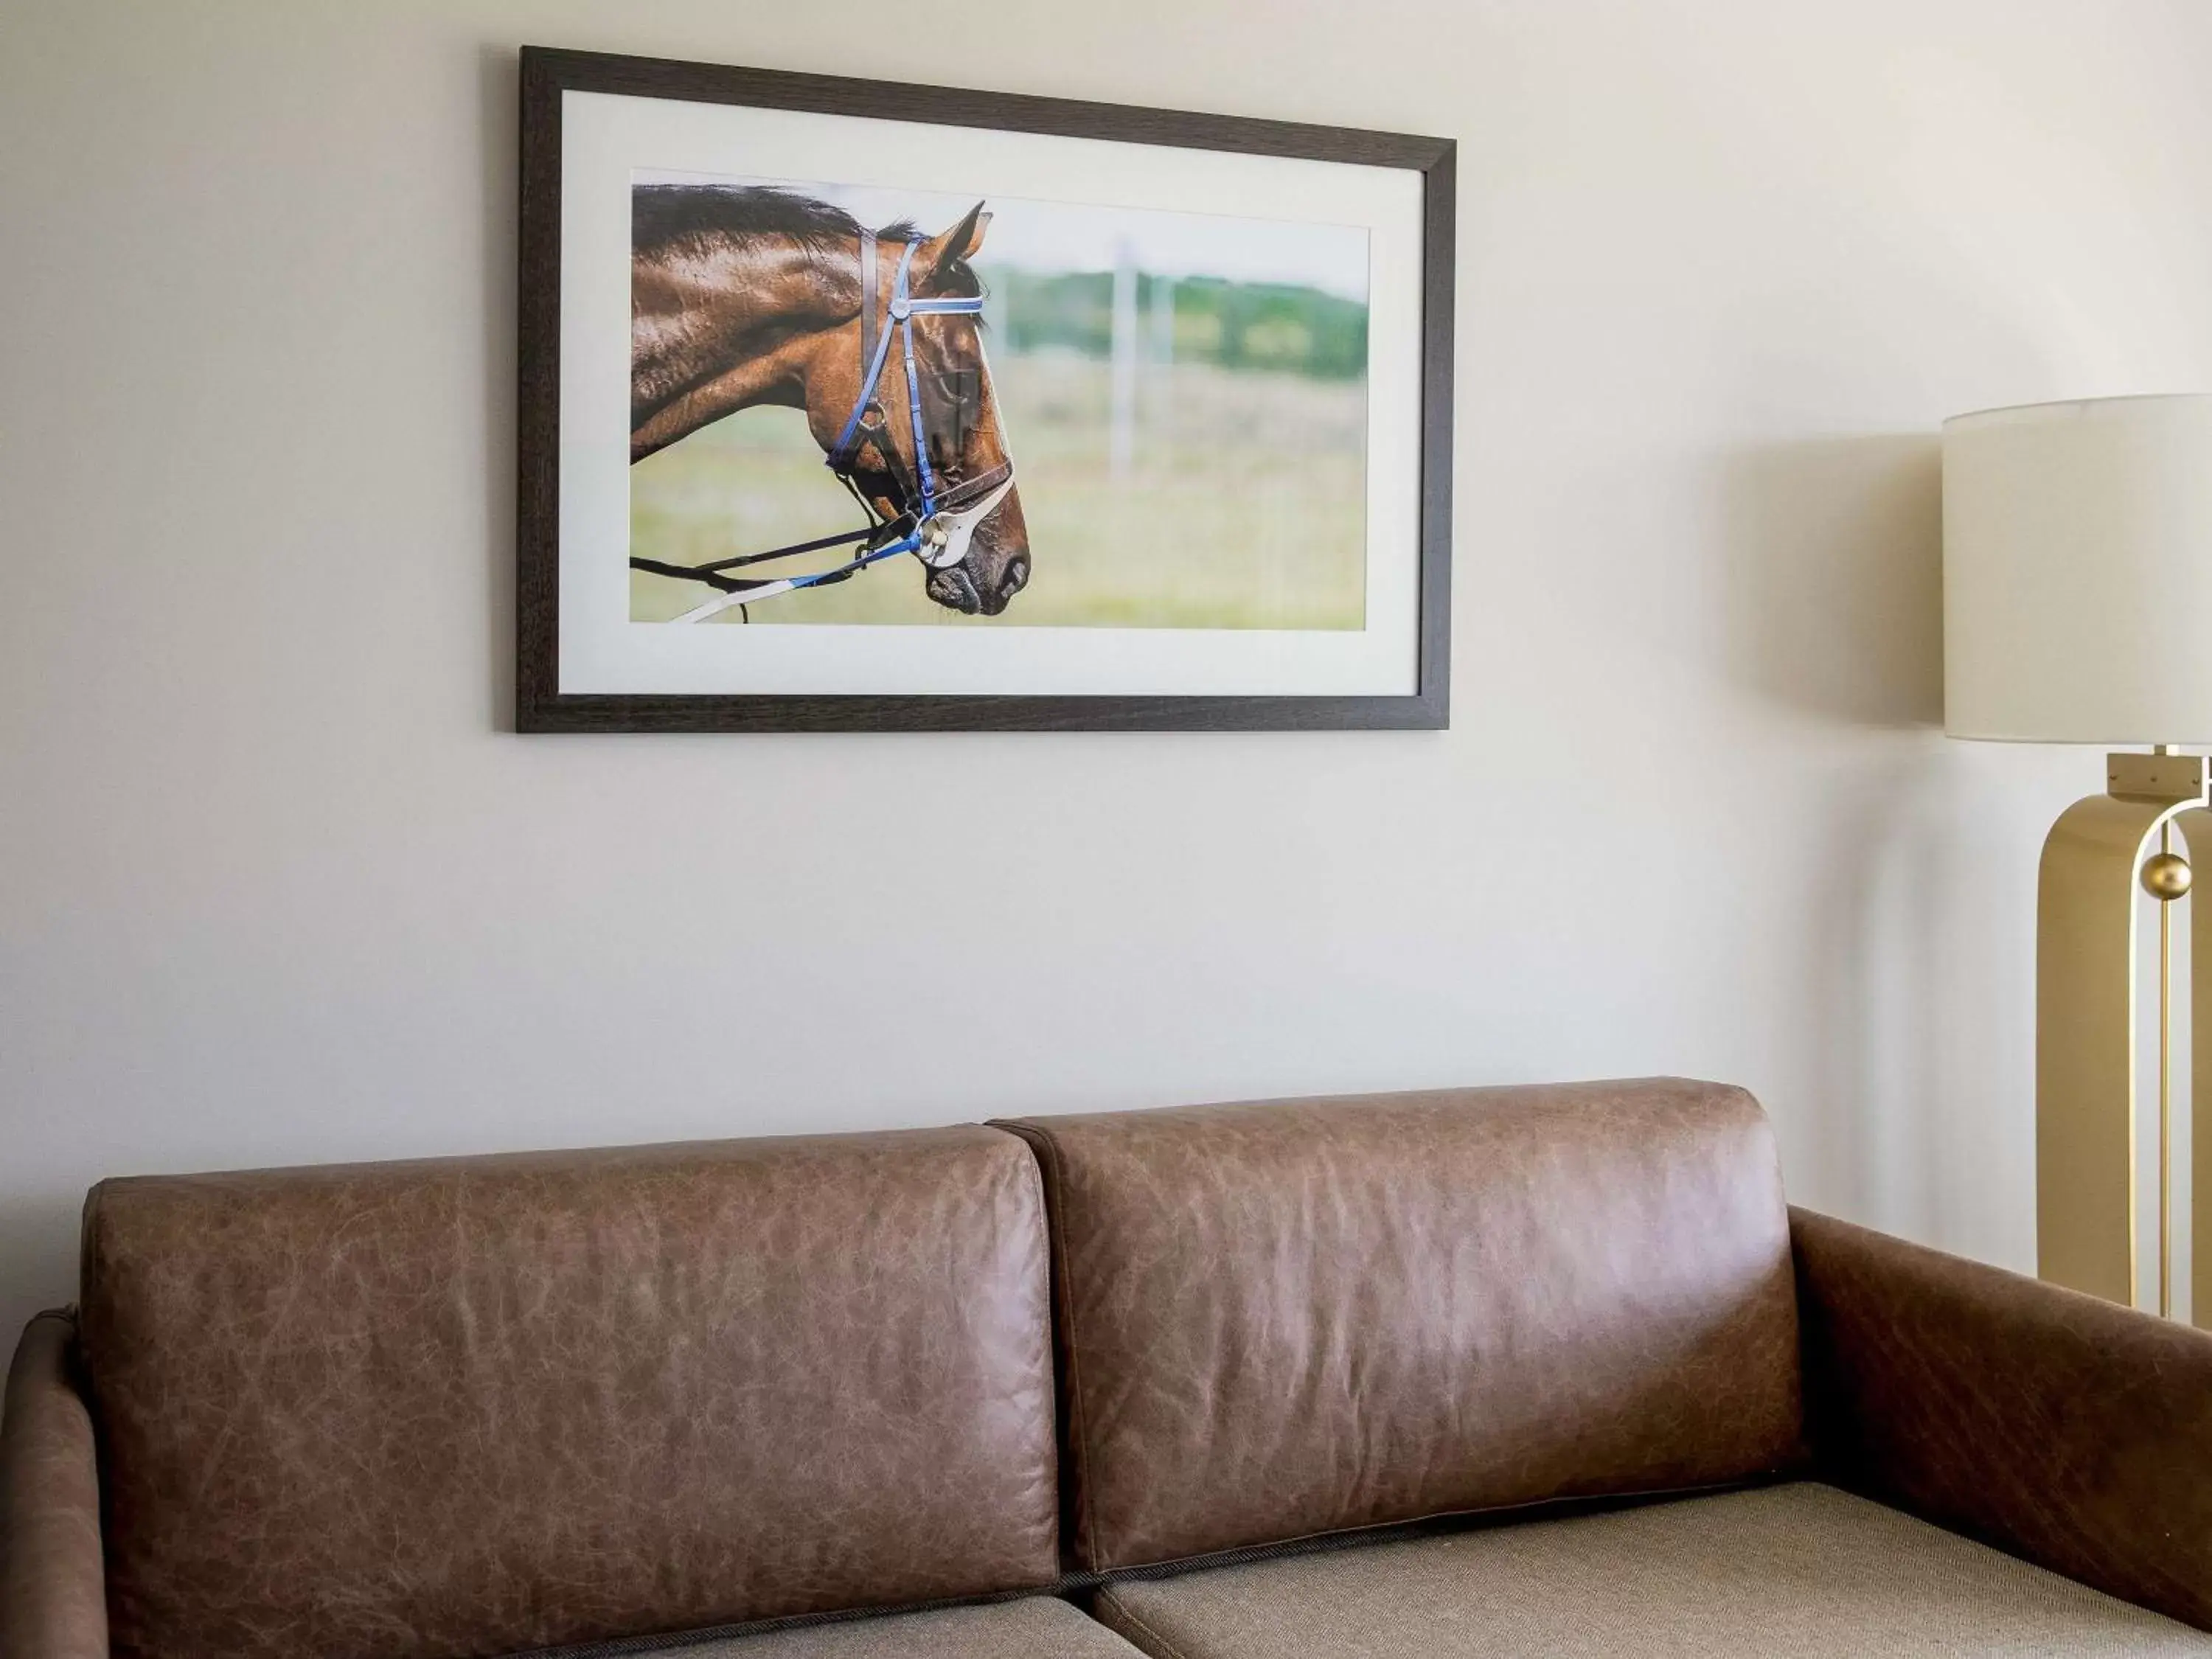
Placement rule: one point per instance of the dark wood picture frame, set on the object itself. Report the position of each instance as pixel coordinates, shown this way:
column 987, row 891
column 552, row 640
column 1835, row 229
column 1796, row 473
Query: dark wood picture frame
column 540, row 706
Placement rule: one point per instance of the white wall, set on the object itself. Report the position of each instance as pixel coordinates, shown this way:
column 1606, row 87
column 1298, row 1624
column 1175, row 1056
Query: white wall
column 276, row 884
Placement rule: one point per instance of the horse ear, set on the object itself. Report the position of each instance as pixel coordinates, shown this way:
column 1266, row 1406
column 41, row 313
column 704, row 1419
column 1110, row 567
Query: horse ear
column 963, row 241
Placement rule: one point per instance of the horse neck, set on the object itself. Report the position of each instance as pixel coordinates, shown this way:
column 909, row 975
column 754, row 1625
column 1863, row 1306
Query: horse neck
column 737, row 324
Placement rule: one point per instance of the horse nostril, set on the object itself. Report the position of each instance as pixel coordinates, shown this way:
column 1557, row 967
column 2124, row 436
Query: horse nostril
column 1016, row 577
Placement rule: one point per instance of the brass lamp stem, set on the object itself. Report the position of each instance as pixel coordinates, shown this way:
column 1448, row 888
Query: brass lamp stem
column 2165, row 1085
column 2091, row 1227
column 2165, row 1071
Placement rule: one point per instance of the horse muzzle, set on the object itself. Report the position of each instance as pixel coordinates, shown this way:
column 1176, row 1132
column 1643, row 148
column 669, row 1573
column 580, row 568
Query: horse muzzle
column 956, row 589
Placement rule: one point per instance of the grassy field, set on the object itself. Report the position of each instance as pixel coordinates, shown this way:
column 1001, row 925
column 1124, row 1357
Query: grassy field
column 1244, row 507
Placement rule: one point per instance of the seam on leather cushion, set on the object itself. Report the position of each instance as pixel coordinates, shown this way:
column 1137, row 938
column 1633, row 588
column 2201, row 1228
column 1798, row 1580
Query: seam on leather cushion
column 1443, row 1524
column 688, row 1638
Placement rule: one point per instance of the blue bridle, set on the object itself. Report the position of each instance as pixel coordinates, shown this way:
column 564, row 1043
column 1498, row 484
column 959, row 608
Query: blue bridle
column 924, row 534
column 900, row 314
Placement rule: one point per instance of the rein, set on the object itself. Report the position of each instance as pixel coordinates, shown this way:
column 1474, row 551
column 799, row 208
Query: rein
column 935, row 529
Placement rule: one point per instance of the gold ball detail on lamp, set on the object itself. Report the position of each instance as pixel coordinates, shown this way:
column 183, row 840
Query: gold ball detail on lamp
column 2165, row 876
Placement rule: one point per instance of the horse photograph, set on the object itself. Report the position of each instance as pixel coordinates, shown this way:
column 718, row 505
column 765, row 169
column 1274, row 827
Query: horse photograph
column 859, row 405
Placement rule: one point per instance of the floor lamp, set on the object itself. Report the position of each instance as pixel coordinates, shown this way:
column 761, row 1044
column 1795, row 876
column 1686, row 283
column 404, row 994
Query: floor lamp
column 2077, row 608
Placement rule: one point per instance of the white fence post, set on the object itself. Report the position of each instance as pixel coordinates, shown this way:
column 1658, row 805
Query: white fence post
column 1123, row 441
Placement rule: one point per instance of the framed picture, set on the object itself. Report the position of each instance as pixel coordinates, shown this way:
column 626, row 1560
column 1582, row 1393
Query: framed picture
column 854, row 405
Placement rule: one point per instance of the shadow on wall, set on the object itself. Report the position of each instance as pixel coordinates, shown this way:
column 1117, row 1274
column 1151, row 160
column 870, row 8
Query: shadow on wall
column 501, row 98
column 1833, row 566
column 1878, row 988
column 38, row 1253
column 1831, row 558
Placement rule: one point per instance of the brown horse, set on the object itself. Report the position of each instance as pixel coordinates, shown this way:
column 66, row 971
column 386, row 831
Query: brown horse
column 742, row 297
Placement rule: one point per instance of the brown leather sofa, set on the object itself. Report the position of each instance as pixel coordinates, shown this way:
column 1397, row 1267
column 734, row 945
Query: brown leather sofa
column 1480, row 1373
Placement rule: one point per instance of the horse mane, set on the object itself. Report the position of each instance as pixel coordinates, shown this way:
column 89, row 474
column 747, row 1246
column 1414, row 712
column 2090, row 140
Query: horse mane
column 668, row 218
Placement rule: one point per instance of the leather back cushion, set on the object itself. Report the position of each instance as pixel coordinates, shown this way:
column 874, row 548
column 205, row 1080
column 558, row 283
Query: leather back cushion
column 1295, row 1317
column 477, row 1406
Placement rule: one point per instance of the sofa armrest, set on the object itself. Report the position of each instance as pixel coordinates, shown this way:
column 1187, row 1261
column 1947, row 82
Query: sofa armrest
column 53, row 1592
column 2064, row 1429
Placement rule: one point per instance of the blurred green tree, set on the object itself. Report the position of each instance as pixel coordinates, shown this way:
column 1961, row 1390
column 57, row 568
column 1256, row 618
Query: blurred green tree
column 1255, row 325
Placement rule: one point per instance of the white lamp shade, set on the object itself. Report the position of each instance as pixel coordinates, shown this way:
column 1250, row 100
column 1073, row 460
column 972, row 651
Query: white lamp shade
column 2077, row 572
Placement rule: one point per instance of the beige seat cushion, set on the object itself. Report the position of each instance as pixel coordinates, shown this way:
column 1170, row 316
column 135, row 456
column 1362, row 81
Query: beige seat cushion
column 1039, row 1628
column 1787, row 1572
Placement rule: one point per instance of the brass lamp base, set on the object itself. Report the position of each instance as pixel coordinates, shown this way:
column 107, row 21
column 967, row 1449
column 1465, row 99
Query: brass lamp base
column 2089, row 1235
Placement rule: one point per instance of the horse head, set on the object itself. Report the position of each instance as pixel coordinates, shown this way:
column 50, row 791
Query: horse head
column 977, row 552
